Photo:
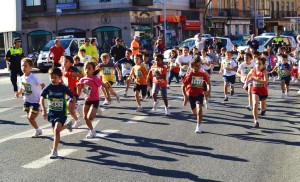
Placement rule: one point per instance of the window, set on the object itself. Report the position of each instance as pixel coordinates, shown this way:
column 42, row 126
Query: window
column 104, row 1
column 65, row 1
column 33, row 3
column 37, row 39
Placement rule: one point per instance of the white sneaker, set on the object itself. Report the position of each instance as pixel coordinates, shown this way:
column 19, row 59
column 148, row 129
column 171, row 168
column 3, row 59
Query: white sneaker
column 296, row 80
column 274, row 79
column 79, row 109
column 76, row 124
column 106, row 102
column 37, row 133
column 139, row 109
column 198, row 128
column 69, row 125
column 167, row 111
column 283, row 95
column 293, row 79
column 205, row 103
column 118, row 98
column 91, row 134
column 298, row 93
column 53, row 154
column 155, row 106
column 286, row 94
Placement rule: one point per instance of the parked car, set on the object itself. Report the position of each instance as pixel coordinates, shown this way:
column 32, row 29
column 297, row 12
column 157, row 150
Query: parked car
column 264, row 41
column 70, row 44
column 268, row 34
column 209, row 41
column 293, row 33
column 239, row 39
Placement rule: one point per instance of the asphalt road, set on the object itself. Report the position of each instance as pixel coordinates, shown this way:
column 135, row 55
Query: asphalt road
column 150, row 146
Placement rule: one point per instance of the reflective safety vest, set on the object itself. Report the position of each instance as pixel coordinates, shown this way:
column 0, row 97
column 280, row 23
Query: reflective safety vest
column 278, row 39
column 15, row 51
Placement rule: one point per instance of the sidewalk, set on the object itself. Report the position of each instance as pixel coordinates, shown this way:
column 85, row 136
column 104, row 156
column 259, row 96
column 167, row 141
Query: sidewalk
column 5, row 72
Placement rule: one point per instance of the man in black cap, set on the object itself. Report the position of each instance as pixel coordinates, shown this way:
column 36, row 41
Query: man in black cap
column 14, row 56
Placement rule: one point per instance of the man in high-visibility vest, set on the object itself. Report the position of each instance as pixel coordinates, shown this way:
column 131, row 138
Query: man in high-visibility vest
column 277, row 42
column 14, row 56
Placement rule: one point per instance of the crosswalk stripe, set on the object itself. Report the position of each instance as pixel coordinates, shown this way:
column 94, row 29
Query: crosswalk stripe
column 7, row 109
column 42, row 162
column 136, row 119
column 102, row 134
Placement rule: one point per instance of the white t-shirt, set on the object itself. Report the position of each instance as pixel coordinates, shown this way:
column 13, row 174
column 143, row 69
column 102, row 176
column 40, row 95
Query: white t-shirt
column 245, row 68
column 205, row 60
column 184, row 63
column 200, row 44
column 229, row 64
column 85, row 59
column 31, row 87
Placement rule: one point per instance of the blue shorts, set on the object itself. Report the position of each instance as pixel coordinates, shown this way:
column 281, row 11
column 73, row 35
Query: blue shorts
column 163, row 90
column 57, row 118
column 31, row 107
column 287, row 79
column 196, row 100
column 229, row 79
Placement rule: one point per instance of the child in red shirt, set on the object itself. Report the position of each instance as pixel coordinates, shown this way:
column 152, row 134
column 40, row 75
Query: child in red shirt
column 69, row 77
column 192, row 90
column 159, row 72
column 259, row 76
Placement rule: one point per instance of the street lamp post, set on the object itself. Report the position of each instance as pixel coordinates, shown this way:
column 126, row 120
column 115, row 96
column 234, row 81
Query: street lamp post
column 57, row 15
column 165, row 23
column 204, row 17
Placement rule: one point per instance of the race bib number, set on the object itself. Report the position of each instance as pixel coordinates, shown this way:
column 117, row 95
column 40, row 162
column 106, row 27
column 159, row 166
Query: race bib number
column 137, row 72
column 106, row 71
column 56, row 104
column 197, row 81
column 257, row 84
column 87, row 90
column 247, row 70
column 155, row 70
column 184, row 67
column 27, row 88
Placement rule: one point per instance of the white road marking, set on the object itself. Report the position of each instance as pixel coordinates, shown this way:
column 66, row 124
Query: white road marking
column 42, row 162
column 7, row 99
column 136, row 119
column 102, row 134
column 7, row 109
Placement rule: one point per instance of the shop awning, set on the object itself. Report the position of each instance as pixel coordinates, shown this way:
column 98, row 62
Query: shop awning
column 192, row 25
column 106, row 29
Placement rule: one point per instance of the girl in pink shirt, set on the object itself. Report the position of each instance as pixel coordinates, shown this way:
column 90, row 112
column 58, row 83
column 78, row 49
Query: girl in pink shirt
column 90, row 86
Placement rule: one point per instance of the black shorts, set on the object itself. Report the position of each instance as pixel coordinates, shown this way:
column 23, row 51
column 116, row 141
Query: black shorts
column 195, row 100
column 109, row 84
column 229, row 79
column 56, row 65
column 208, row 71
column 31, row 107
column 125, row 77
column 95, row 103
column 57, row 118
column 140, row 88
column 262, row 97
column 287, row 80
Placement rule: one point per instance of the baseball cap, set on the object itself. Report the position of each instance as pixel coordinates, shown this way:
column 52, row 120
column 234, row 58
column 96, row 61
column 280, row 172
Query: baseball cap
column 118, row 39
column 136, row 36
column 17, row 40
column 87, row 40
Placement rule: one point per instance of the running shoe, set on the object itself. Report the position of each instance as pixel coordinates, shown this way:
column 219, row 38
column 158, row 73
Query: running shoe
column 296, row 80
column 37, row 133
column 262, row 113
column 155, row 106
column 118, row 98
column 53, row 154
column 249, row 107
column 91, row 134
column 76, row 124
column 298, row 93
column 167, row 111
column 69, row 126
column 256, row 125
column 139, row 109
column 106, row 102
column 226, row 99
column 283, row 95
column 198, row 128
column 125, row 94
column 231, row 92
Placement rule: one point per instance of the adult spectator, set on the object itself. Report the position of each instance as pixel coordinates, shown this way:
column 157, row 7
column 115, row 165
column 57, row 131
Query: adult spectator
column 217, row 45
column 14, row 56
column 57, row 52
column 277, row 42
column 252, row 43
column 135, row 45
column 117, row 51
column 94, row 43
column 90, row 49
column 200, row 42
column 158, row 46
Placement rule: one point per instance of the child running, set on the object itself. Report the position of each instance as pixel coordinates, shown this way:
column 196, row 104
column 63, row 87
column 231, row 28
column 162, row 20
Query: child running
column 228, row 69
column 56, row 93
column 243, row 70
column 192, row 90
column 183, row 61
column 259, row 77
column 30, row 85
column 173, row 67
column 70, row 74
column 90, row 86
column 147, row 64
column 284, row 70
column 107, row 72
column 159, row 72
column 139, row 72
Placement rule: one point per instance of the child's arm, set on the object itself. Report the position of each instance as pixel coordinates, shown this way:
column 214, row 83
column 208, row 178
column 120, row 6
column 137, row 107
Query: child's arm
column 221, row 68
column 119, row 72
column 42, row 104
column 247, row 79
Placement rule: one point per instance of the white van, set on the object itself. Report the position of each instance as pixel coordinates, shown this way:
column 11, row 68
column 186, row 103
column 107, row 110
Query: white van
column 70, row 44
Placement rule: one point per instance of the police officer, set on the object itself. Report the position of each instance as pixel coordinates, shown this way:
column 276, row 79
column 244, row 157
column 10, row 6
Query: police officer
column 13, row 57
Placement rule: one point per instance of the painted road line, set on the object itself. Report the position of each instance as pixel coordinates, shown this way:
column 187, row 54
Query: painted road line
column 136, row 119
column 47, row 131
column 7, row 109
column 102, row 134
column 42, row 162
column 8, row 99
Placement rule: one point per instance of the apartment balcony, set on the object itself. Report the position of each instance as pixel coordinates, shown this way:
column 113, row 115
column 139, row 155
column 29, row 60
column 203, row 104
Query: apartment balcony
column 283, row 14
column 229, row 13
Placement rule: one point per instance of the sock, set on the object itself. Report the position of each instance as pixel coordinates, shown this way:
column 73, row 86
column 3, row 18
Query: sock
column 226, row 96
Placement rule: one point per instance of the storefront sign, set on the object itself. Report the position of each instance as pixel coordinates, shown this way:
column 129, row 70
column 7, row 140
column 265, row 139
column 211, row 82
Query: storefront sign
column 172, row 18
column 34, row 25
column 144, row 18
column 67, row 6
column 105, row 19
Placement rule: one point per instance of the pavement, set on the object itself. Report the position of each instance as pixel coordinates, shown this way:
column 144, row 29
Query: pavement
column 5, row 72
column 150, row 146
